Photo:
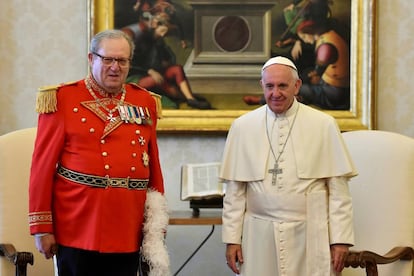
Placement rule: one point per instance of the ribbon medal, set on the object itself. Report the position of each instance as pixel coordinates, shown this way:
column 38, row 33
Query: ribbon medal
column 135, row 114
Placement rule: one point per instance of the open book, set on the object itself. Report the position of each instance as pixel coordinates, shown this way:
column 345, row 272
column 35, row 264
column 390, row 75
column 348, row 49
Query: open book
column 200, row 181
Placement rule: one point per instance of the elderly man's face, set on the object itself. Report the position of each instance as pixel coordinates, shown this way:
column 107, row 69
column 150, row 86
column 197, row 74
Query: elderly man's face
column 110, row 76
column 279, row 87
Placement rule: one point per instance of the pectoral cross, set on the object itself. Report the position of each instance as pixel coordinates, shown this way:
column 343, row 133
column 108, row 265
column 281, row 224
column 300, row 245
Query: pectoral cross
column 275, row 171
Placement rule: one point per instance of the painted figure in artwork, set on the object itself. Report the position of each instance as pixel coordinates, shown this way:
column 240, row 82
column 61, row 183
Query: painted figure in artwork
column 321, row 53
column 154, row 65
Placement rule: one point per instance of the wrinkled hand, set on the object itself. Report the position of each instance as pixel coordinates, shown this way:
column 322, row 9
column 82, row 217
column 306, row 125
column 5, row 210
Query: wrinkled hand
column 234, row 257
column 46, row 245
column 338, row 256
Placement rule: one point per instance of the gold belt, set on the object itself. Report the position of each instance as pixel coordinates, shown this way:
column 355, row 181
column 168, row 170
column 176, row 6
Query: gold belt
column 102, row 182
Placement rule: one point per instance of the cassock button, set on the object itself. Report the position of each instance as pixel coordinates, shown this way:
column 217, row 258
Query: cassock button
column 102, row 141
column 134, row 154
column 133, row 142
column 91, row 130
column 104, row 153
column 138, row 132
column 107, row 167
column 83, row 120
column 133, row 169
column 75, row 109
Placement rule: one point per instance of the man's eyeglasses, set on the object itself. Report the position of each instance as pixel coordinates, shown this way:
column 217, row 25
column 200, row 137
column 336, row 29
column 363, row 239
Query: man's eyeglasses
column 108, row 61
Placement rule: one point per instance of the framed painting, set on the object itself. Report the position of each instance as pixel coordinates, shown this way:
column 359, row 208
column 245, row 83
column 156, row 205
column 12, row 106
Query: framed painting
column 221, row 46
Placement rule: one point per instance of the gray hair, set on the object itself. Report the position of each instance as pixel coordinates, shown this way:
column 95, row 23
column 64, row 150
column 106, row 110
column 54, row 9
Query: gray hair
column 110, row 34
column 294, row 73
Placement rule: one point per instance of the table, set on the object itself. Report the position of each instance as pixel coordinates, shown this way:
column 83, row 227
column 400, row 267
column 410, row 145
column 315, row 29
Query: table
column 204, row 217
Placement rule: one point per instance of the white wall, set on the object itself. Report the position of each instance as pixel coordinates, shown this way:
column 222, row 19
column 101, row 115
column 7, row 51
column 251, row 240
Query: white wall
column 183, row 240
column 45, row 42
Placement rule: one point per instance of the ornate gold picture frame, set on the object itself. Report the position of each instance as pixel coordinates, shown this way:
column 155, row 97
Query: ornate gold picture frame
column 362, row 111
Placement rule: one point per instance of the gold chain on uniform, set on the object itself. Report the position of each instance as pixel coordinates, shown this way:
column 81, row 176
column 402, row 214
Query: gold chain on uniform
column 98, row 101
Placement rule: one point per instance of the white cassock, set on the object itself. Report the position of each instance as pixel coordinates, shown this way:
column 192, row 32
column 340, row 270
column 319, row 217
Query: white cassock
column 286, row 226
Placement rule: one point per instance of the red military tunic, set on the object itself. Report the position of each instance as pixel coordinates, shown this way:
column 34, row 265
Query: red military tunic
column 83, row 140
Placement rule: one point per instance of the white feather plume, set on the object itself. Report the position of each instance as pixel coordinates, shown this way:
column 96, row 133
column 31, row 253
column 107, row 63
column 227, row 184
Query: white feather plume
column 154, row 250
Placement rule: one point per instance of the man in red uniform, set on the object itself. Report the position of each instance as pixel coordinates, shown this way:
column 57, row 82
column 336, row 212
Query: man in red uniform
column 95, row 174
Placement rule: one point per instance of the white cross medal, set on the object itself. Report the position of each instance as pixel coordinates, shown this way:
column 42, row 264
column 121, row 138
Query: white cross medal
column 111, row 117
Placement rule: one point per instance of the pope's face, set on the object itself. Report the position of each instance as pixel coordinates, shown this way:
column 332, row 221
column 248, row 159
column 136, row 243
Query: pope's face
column 280, row 87
column 111, row 77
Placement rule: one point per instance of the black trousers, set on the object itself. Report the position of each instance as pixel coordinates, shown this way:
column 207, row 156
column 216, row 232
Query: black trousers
column 77, row 262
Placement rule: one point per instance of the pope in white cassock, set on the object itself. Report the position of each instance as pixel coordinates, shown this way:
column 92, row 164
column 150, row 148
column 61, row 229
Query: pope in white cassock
column 287, row 208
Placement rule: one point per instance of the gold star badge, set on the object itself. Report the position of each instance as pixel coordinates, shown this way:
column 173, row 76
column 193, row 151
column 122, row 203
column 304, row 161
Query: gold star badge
column 145, row 159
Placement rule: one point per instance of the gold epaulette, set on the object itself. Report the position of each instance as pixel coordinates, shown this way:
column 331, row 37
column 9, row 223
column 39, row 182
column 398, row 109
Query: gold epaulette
column 158, row 103
column 156, row 97
column 46, row 99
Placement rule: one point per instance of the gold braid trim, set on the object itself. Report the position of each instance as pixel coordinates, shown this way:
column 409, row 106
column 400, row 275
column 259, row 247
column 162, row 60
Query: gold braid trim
column 38, row 218
column 46, row 100
column 158, row 103
column 156, row 97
